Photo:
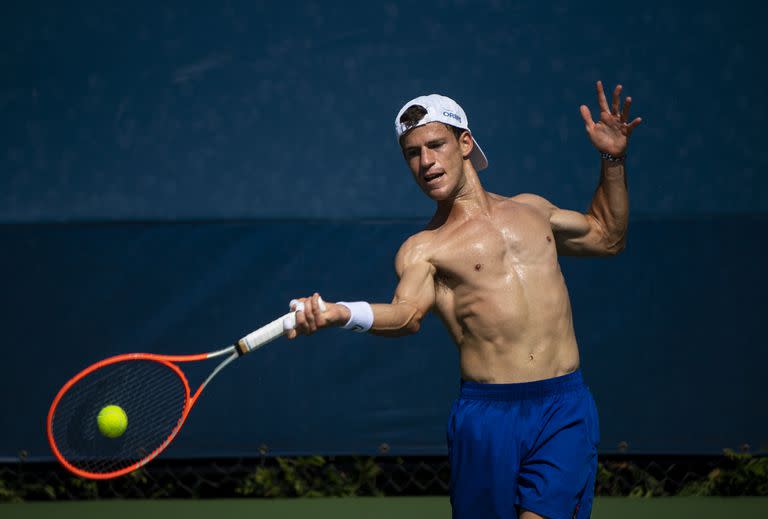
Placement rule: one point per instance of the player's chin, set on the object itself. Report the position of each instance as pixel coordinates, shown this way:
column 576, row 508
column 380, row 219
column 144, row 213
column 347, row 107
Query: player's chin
column 437, row 194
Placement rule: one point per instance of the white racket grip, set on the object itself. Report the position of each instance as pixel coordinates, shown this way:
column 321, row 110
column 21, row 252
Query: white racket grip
column 269, row 332
column 266, row 334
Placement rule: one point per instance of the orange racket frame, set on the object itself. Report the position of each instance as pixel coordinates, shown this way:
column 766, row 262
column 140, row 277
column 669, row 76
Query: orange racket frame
column 247, row 344
column 189, row 401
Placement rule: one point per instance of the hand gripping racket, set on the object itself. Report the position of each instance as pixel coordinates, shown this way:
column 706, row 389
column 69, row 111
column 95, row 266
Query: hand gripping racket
column 154, row 393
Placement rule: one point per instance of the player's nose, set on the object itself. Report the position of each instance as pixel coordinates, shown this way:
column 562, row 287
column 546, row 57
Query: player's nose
column 427, row 157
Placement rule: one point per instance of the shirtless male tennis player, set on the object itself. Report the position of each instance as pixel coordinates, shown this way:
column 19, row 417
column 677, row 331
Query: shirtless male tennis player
column 523, row 434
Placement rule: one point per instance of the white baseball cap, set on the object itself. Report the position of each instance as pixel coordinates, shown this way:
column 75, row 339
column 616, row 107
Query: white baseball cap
column 445, row 110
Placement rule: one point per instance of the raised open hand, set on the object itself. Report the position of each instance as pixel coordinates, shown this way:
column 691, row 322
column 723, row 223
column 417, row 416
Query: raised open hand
column 611, row 133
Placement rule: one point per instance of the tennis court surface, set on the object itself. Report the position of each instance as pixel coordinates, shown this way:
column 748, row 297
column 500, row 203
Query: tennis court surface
column 373, row 508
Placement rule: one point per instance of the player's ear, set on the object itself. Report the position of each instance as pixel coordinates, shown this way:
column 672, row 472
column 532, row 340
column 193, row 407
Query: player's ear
column 466, row 143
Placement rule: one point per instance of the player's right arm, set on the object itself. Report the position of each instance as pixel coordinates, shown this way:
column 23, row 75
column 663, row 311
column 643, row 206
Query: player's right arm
column 414, row 297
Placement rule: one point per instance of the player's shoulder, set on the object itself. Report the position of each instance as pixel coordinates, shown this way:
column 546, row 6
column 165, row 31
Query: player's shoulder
column 414, row 249
column 538, row 202
column 417, row 244
column 531, row 199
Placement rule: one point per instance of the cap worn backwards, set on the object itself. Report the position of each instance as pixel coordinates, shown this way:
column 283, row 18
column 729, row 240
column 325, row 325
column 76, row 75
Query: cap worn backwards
column 445, row 110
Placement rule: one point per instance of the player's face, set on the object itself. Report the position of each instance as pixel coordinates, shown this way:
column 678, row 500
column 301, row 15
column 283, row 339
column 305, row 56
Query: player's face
column 435, row 157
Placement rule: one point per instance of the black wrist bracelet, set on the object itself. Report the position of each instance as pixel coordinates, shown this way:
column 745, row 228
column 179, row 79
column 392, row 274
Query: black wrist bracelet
column 611, row 158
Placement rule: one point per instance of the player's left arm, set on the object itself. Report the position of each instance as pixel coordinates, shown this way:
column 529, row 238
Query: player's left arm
column 602, row 230
column 579, row 234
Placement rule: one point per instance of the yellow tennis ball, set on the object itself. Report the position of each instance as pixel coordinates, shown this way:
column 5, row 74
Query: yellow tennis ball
column 112, row 421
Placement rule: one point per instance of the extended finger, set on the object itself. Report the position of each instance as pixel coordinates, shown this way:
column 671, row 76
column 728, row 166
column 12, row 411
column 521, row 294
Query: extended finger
column 616, row 100
column 301, row 326
column 319, row 318
column 625, row 112
column 309, row 314
column 635, row 123
column 601, row 100
column 587, row 116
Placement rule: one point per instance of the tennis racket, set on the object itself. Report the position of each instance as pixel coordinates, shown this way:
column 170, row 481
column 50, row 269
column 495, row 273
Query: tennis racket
column 155, row 395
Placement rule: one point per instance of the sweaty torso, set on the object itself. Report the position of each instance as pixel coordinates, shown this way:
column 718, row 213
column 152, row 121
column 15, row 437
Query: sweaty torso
column 500, row 292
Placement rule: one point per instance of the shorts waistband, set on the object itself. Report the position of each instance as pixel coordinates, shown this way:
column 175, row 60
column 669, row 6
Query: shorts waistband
column 522, row 390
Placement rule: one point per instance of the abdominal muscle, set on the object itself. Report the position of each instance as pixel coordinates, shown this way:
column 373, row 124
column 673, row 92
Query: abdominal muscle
column 513, row 325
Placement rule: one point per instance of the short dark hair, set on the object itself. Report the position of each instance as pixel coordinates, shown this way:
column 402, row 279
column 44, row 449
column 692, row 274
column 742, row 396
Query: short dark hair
column 415, row 113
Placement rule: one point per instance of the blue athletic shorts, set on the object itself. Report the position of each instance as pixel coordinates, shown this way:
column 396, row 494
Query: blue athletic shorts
column 528, row 446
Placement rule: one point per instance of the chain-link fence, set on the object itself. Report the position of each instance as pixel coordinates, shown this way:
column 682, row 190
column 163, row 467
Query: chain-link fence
column 315, row 476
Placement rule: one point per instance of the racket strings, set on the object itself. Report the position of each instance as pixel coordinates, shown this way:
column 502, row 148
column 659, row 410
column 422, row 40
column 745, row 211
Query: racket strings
column 153, row 397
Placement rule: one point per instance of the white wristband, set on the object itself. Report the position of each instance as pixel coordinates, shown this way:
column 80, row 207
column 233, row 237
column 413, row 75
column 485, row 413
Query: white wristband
column 361, row 318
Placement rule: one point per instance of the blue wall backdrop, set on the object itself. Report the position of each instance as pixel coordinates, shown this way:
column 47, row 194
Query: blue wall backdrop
column 171, row 175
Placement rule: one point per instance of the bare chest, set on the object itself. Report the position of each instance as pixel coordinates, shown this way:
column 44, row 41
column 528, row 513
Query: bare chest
column 484, row 248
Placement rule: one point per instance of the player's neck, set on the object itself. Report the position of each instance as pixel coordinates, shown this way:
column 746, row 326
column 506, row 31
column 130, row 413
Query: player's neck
column 470, row 199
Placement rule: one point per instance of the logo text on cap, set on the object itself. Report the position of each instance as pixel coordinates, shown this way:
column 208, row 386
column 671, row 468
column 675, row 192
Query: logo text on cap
column 452, row 115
